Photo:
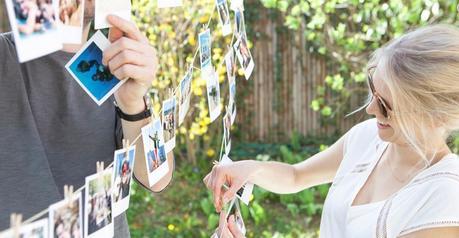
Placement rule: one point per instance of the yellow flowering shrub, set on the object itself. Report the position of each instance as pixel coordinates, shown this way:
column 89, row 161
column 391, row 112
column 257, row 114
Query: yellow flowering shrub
column 174, row 33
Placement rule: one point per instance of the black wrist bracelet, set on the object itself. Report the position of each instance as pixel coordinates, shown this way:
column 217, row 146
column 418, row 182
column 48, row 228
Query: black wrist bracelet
column 146, row 113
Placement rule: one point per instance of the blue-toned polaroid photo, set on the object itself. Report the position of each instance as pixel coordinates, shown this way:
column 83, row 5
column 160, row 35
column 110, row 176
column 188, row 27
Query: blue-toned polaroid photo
column 87, row 69
column 204, row 48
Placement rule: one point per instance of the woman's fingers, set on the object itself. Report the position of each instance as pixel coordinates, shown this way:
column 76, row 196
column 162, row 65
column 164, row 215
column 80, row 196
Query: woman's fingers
column 233, row 228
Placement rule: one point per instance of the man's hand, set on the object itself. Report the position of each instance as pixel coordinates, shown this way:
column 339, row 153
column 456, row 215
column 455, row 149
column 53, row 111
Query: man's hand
column 130, row 57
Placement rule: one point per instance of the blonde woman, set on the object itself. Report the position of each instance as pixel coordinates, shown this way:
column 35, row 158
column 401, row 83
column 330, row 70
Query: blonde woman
column 393, row 175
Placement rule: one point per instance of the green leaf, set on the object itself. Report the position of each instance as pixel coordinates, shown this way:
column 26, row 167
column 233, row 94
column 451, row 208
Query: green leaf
column 326, row 111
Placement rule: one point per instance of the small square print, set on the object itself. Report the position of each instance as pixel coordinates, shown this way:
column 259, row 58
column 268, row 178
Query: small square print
column 223, row 13
column 34, row 27
column 70, row 19
column 213, row 94
column 169, row 3
column 169, row 123
column 123, row 169
column 153, row 143
column 205, row 50
column 38, row 229
column 98, row 220
column 103, row 8
column 185, row 95
column 66, row 217
column 244, row 56
column 87, row 69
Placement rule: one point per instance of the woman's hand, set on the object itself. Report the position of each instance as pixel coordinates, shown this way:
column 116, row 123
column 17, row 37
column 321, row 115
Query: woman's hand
column 130, row 57
column 228, row 228
column 234, row 175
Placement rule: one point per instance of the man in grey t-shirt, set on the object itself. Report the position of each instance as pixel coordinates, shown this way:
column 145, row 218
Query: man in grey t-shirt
column 52, row 133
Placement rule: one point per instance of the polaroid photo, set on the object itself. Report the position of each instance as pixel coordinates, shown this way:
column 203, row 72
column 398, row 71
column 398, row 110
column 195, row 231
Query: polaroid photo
column 243, row 193
column 244, row 56
column 205, row 50
column 87, row 69
column 70, row 18
column 34, row 27
column 237, row 4
column 223, row 13
column 155, row 154
column 231, row 70
column 98, row 217
column 65, row 218
column 213, row 94
column 169, row 123
column 185, row 95
column 227, row 131
column 103, row 8
column 123, row 168
column 34, row 230
column 239, row 23
column 169, row 3
column 236, row 211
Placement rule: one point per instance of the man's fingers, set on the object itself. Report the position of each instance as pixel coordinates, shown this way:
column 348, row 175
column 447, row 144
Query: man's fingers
column 122, row 44
column 123, row 27
column 129, row 71
column 127, row 57
column 234, row 229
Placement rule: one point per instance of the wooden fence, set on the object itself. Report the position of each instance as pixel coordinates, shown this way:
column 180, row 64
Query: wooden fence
column 276, row 100
column 284, row 84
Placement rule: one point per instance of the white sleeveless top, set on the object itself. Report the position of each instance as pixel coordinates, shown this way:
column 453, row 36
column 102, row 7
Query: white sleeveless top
column 430, row 199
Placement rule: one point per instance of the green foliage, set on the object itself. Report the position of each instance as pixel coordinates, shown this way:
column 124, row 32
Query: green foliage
column 185, row 208
column 345, row 32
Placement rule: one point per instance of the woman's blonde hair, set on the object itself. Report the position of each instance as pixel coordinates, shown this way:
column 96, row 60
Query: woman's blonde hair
column 421, row 70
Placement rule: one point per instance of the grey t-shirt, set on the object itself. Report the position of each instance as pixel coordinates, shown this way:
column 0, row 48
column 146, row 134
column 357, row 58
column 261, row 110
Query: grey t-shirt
column 51, row 133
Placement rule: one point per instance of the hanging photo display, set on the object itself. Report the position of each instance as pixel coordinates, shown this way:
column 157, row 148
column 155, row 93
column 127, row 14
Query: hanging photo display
column 70, row 19
column 213, row 94
column 169, row 123
column 98, row 205
column 123, row 169
column 155, row 153
column 88, row 71
column 224, row 17
column 231, row 70
column 185, row 95
column 205, row 51
column 35, row 28
column 169, row 3
column 103, row 8
column 65, row 218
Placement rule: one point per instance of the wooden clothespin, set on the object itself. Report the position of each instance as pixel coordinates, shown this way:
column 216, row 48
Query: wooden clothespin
column 126, row 146
column 99, row 167
column 68, row 195
column 15, row 223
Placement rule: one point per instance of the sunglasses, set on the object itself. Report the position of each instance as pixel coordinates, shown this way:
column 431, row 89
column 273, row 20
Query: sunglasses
column 382, row 104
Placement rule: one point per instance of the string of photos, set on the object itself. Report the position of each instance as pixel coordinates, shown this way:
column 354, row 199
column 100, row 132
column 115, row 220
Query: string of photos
column 107, row 193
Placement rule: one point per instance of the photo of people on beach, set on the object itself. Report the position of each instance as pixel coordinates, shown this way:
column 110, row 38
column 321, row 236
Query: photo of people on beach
column 35, row 27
